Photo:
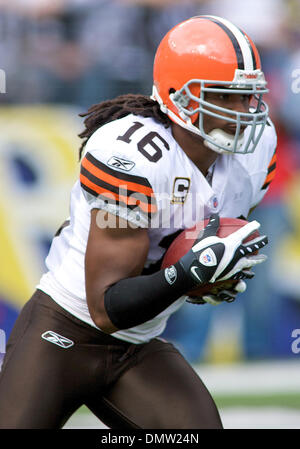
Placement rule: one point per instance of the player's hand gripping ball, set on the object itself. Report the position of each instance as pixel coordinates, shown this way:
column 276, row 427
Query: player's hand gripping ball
column 223, row 290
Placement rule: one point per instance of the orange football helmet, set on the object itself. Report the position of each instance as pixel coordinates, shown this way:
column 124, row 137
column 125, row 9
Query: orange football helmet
column 210, row 54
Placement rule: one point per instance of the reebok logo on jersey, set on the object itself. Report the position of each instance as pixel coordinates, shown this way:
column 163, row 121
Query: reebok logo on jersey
column 57, row 339
column 120, row 163
column 208, row 258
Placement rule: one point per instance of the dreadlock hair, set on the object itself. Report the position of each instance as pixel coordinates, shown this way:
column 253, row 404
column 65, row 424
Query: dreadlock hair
column 107, row 111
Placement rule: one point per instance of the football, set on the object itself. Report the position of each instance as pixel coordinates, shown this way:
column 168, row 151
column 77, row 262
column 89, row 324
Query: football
column 184, row 242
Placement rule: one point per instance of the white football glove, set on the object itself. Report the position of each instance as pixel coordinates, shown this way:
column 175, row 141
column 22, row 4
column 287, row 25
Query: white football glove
column 214, row 259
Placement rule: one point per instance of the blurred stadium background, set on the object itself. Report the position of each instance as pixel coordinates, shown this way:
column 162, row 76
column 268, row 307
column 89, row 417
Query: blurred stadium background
column 61, row 56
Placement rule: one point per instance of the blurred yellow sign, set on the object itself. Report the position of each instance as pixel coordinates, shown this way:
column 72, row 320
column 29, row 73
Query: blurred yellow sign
column 38, row 166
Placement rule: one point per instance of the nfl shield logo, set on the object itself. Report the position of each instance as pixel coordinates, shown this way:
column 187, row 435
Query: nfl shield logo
column 206, row 259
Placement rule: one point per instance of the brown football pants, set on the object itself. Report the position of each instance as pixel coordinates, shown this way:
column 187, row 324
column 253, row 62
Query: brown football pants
column 44, row 380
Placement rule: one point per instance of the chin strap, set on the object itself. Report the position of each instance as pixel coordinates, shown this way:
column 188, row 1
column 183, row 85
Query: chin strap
column 220, row 137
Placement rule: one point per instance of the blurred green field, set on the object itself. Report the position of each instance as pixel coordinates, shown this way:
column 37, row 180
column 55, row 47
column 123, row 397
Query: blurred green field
column 288, row 400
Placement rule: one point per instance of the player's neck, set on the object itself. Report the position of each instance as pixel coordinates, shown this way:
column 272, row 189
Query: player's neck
column 194, row 148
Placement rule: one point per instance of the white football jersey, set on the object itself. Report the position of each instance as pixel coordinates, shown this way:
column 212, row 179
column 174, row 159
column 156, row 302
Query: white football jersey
column 134, row 168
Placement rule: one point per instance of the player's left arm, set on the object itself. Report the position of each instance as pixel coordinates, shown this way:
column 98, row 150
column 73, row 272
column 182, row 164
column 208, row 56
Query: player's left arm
column 268, row 160
column 262, row 187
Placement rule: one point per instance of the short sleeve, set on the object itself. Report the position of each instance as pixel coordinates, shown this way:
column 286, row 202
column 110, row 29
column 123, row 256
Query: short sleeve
column 264, row 178
column 270, row 172
column 123, row 193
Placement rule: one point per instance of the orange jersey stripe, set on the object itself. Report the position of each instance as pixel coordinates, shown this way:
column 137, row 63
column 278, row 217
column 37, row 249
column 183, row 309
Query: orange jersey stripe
column 98, row 173
column 273, row 160
column 131, row 201
column 270, row 177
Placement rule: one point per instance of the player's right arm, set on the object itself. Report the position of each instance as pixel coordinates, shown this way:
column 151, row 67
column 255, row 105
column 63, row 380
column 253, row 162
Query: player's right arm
column 120, row 298
column 112, row 253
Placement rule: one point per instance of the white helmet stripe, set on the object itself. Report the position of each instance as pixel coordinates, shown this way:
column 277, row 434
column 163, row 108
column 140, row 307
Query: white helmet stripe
column 248, row 55
column 251, row 49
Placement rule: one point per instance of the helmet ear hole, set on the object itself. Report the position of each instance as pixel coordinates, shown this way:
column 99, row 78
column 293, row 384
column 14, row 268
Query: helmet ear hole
column 172, row 90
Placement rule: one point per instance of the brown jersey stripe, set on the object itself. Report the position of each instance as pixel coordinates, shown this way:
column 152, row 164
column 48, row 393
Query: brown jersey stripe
column 273, row 161
column 117, row 180
column 121, row 189
column 128, row 201
column 271, row 171
column 88, row 189
column 120, row 175
column 124, row 201
column 108, row 197
column 269, row 179
column 272, row 168
column 266, row 185
column 270, row 176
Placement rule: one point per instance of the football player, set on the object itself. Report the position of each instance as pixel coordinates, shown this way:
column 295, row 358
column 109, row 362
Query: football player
column 202, row 143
